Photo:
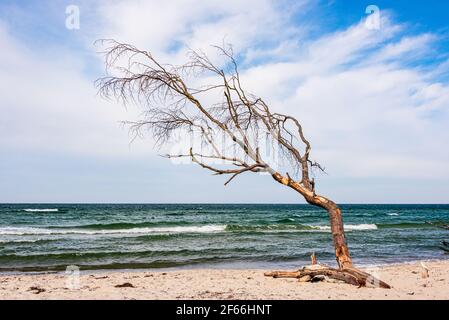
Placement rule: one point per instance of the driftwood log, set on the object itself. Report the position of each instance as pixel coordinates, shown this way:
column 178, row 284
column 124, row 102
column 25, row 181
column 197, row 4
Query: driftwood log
column 318, row 272
column 350, row 275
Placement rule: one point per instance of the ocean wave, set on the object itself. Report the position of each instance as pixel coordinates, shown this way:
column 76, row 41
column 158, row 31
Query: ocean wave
column 295, row 228
column 403, row 225
column 17, row 231
column 41, row 210
column 138, row 254
column 286, row 220
column 107, row 226
column 124, row 225
column 43, row 231
column 267, row 228
column 26, row 241
column 349, row 227
column 392, row 214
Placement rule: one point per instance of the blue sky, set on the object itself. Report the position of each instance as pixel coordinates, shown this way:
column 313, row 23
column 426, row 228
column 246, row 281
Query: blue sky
column 374, row 103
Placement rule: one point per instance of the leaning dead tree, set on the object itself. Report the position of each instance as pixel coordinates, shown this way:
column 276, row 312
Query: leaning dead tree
column 229, row 130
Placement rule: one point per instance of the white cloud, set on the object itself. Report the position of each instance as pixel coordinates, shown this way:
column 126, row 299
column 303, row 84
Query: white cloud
column 166, row 28
column 49, row 104
column 414, row 47
column 367, row 112
column 370, row 108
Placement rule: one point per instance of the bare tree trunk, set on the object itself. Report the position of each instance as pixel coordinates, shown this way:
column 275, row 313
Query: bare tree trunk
column 338, row 235
column 336, row 221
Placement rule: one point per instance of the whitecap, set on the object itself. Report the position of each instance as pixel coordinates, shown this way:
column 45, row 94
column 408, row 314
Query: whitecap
column 44, row 231
column 349, row 227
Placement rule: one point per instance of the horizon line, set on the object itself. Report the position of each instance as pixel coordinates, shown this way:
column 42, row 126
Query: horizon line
column 214, row 203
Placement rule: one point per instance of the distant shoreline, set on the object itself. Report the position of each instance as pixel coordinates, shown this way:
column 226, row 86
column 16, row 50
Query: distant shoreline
column 248, row 284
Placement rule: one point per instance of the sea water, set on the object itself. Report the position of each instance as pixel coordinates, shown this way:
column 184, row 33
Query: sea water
column 39, row 237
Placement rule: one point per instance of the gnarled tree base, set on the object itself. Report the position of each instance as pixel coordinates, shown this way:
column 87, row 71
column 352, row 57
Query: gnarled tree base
column 349, row 275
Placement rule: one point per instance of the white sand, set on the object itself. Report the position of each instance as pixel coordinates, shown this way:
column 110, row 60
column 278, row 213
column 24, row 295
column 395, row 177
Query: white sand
column 405, row 279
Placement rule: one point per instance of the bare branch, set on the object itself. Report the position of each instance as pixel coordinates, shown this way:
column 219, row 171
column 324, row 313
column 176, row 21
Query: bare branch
column 172, row 105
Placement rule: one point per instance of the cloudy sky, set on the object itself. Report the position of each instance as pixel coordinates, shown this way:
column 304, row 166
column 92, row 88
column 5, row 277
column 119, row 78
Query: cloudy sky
column 373, row 97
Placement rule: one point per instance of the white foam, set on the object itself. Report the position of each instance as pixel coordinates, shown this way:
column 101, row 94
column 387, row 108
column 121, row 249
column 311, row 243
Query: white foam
column 20, row 241
column 349, row 227
column 40, row 210
column 393, row 214
column 43, row 231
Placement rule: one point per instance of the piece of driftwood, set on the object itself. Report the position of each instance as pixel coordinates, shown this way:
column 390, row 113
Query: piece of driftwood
column 318, row 272
column 313, row 257
column 36, row 290
column 349, row 275
column 424, row 271
column 125, row 285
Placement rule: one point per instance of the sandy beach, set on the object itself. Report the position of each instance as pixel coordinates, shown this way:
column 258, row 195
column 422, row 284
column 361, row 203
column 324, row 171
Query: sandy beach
column 406, row 281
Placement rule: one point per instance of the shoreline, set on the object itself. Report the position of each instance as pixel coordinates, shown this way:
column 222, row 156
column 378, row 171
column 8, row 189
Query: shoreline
column 230, row 266
column 245, row 284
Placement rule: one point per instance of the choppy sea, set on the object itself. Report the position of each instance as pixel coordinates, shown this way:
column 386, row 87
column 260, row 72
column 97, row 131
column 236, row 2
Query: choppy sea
column 40, row 237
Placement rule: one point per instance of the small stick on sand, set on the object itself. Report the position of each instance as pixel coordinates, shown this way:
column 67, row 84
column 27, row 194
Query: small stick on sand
column 313, row 257
column 425, row 271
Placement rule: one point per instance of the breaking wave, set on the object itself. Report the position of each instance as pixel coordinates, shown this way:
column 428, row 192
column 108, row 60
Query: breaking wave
column 43, row 231
column 179, row 229
column 296, row 228
column 350, row 227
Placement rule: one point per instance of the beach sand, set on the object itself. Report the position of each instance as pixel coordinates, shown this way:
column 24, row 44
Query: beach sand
column 405, row 279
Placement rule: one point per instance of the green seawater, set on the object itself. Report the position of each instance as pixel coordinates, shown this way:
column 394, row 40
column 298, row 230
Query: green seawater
column 40, row 237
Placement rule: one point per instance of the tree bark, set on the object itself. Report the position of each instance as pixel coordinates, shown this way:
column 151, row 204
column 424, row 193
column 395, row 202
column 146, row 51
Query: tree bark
column 338, row 235
column 335, row 217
